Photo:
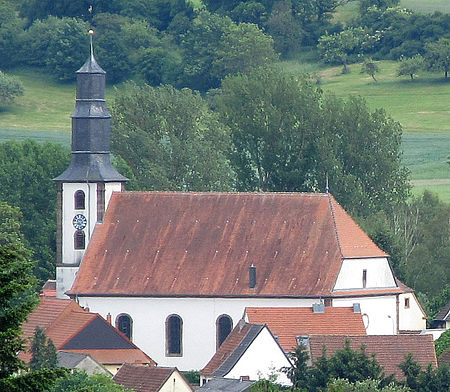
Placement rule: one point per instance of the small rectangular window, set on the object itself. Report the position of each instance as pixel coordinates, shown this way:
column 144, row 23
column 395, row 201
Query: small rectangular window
column 406, row 303
column 364, row 278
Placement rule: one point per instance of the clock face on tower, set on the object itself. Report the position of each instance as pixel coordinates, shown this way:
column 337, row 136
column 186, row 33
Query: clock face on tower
column 79, row 221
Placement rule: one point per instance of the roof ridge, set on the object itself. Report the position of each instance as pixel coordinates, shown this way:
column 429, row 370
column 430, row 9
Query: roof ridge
column 333, row 216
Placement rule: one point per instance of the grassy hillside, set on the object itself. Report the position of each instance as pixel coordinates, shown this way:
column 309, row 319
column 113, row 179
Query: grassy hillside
column 421, row 106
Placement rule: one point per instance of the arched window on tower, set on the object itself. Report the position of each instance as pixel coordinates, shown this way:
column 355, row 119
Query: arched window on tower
column 174, row 332
column 79, row 240
column 124, row 324
column 224, row 325
column 80, row 203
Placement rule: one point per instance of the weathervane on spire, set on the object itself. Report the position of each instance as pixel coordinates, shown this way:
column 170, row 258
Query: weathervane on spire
column 91, row 31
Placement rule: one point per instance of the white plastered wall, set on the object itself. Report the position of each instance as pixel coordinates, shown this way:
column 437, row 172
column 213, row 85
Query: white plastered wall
column 379, row 313
column 411, row 316
column 263, row 358
column 379, row 274
column 175, row 383
column 199, row 317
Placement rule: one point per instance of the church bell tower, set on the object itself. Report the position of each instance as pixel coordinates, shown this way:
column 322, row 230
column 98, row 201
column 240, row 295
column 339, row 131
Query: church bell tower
column 85, row 188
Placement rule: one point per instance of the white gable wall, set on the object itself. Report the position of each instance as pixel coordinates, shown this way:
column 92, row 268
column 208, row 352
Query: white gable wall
column 199, row 317
column 411, row 316
column 379, row 313
column 175, row 383
column 379, row 274
column 262, row 359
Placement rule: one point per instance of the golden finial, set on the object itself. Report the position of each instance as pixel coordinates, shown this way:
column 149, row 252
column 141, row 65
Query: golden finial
column 91, row 9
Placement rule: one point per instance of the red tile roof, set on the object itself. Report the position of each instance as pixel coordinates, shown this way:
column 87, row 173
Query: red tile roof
column 389, row 350
column 288, row 323
column 143, row 378
column 230, row 344
column 64, row 319
column 117, row 356
column 209, row 240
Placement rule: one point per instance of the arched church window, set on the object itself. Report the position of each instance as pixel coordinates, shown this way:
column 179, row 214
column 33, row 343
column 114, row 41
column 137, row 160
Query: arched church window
column 224, row 325
column 79, row 240
column 124, row 324
column 80, row 200
column 174, row 332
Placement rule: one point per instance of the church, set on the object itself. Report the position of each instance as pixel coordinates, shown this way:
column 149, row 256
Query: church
column 175, row 271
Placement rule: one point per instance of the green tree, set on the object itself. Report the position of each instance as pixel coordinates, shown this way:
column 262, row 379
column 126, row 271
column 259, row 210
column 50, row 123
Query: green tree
column 428, row 260
column 34, row 381
column 285, row 29
column 410, row 66
column 299, row 372
column 215, row 47
column 347, row 364
column 33, row 166
column 17, row 284
column 369, row 385
column 287, row 135
column 170, row 139
column 11, row 35
column 438, row 55
column 342, row 47
column 370, row 68
column 428, row 380
column 380, row 4
column 68, row 47
column 442, row 343
column 43, row 351
column 10, row 89
column 81, row 382
column 160, row 66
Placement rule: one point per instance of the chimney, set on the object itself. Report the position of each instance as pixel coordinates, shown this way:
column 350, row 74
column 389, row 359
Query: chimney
column 108, row 318
column 319, row 308
column 252, row 276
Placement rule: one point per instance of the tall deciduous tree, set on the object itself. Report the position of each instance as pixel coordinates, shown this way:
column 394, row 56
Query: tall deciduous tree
column 287, row 136
column 10, row 89
column 17, row 295
column 215, row 47
column 33, row 165
column 170, row 139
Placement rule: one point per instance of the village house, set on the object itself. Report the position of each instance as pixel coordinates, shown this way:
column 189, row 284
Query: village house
column 83, row 339
column 250, row 351
column 176, row 270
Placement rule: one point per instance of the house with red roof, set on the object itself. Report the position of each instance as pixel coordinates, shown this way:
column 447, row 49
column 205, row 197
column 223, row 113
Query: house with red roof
column 389, row 350
column 249, row 352
column 176, row 270
column 76, row 330
column 291, row 325
column 152, row 379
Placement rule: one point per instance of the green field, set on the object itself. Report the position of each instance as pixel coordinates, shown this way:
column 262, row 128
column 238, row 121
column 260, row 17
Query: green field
column 421, row 106
column 427, row 5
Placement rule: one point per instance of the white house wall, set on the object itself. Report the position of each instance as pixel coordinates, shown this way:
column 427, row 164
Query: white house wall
column 263, row 358
column 379, row 313
column 199, row 317
column 175, row 383
column 379, row 274
column 411, row 315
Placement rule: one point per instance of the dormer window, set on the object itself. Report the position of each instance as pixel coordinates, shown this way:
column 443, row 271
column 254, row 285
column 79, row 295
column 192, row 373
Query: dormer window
column 364, row 278
column 79, row 200
column 79, row 240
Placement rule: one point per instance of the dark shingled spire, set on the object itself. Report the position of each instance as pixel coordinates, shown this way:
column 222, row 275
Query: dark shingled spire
column 91, row 129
